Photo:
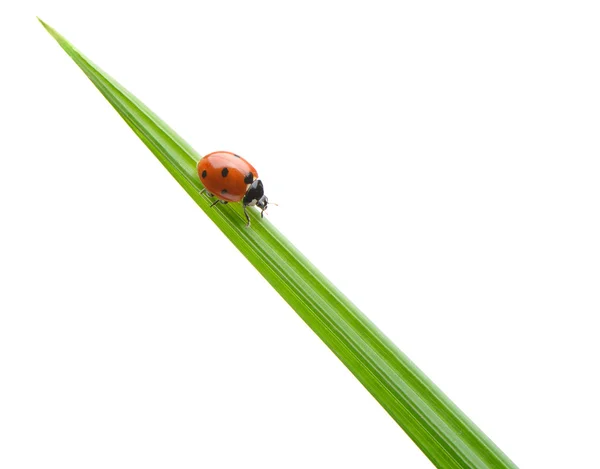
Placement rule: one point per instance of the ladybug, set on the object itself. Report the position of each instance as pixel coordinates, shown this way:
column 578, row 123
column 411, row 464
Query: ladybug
column 230, row 178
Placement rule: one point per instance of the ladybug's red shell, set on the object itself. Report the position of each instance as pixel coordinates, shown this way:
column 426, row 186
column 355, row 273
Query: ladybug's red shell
column 226, row 175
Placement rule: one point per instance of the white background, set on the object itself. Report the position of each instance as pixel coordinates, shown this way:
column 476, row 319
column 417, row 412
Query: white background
column 439, row 161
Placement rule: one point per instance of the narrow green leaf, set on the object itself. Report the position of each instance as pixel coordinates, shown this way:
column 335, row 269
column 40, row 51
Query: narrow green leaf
column 434, row 423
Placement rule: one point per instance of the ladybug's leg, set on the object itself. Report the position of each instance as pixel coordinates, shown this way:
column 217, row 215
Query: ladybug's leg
column 247, row 216
column 218, row 201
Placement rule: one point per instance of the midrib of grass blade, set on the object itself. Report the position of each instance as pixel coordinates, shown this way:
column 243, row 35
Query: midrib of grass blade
column 435, row 424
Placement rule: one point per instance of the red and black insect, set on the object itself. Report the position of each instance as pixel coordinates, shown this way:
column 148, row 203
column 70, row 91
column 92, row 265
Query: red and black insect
column 230, row 178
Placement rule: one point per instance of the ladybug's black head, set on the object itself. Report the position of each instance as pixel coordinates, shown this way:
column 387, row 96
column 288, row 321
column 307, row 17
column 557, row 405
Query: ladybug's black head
column 255, row 195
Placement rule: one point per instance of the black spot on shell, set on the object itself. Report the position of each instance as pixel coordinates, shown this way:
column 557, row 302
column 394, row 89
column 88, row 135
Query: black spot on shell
column 204, row 173
column 224, row 172
column 249, row 178
column 224, row 191
column 237, row 156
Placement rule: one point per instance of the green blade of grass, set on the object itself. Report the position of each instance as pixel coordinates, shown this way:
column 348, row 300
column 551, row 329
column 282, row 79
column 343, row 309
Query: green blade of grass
column 433, row 422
